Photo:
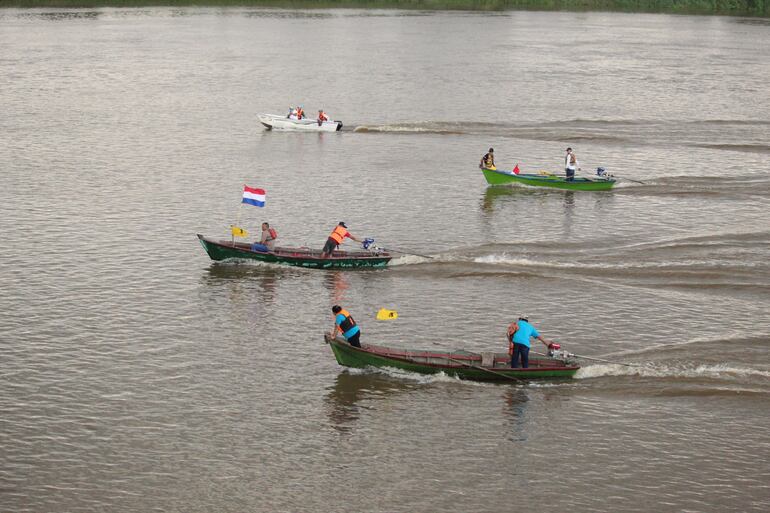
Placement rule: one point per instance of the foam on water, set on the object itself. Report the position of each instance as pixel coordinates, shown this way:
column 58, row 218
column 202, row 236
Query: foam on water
column 718, row 371
column 422, row 379
column 507, row 260
column 425, row 127
column 409, row 259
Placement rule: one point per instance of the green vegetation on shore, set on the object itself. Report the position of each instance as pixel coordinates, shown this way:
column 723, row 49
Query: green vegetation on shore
column 729, row 7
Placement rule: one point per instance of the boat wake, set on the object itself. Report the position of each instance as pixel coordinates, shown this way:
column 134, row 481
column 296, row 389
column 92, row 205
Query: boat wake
column 745, row 136
column 740, row 273
column 414, row 128
column 716, row 371
column 749, row 183
column 409, row 260
column 696, row 261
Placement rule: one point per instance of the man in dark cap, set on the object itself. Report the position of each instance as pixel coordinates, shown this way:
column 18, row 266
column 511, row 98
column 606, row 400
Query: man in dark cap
column 344, row 323
column 488, row 160
column 570, row 165
column 335, row 239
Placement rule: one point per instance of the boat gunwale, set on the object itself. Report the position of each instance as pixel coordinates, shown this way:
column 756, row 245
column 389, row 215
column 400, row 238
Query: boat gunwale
column 551, row 178
column 473, row 357
column 289, row 253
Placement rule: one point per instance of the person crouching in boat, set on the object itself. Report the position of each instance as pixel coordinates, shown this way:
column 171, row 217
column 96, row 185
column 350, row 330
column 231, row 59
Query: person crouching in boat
column 519, row 333
column 570, row 164
column 322, row 117
column 300, row 112
column 344, row 323
column 268, row 236
column 335, row 239
column 488, row 160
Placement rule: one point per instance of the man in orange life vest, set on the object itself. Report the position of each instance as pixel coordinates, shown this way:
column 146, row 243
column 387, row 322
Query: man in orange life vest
column 344, row 323
column 335, row 239
column 322, row 117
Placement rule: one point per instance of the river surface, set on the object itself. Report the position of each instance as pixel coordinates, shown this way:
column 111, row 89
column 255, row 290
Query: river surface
column 137, row 375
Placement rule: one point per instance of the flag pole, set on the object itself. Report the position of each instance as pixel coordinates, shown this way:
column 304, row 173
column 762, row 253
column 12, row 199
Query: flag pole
column 237, row 220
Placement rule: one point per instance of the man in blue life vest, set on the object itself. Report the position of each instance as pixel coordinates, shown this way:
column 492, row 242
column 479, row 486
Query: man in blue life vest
column 344, row 323
column 519, row 333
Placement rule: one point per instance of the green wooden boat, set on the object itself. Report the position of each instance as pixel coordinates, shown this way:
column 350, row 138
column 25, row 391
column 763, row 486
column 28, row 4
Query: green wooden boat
column 461, row 364
column 497, row 177
column 300, row 257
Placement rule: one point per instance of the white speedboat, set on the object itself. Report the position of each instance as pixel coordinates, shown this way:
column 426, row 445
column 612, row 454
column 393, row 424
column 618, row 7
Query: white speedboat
column 273, row 121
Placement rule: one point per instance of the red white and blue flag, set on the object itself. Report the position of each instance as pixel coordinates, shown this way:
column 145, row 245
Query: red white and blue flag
column 253, row 196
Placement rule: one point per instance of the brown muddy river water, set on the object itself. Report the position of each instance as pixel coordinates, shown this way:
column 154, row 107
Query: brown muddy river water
column 137, row 375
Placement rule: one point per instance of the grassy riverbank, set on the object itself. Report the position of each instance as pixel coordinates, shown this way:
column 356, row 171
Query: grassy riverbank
column 730, row 7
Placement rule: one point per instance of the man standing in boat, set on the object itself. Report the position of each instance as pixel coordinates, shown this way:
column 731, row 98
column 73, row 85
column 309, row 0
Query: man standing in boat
column 335, row 239
column 488, row 160
column 344, row 323
column 570, row 164
column 519, row 333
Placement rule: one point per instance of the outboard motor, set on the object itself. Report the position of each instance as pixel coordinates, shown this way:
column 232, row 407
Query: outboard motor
column 369, row 245
column 601, row 172
column 552, row 348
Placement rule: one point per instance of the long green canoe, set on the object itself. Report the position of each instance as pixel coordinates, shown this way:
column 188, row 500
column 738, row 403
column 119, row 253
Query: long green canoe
column 300, row 257
column 461, row 364
column 497, row 177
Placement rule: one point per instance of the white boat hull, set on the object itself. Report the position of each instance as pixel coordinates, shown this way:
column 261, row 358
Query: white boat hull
column 274, row 122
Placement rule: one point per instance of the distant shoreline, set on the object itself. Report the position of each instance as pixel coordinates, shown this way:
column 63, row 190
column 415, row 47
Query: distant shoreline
column 757, row 8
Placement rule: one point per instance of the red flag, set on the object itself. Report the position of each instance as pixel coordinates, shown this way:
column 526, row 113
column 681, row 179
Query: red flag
column 516, row 170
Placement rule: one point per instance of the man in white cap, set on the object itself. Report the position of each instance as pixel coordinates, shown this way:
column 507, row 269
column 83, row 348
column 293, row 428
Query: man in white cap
column 519, row 333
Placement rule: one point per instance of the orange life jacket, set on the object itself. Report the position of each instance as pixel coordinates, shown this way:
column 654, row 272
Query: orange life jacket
column 273, row 233
column 300, row 113
column 347, row 323
column 322, row 117
column 338, row 234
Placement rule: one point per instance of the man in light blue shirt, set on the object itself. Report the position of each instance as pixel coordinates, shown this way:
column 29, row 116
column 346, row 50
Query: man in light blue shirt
column 519, row 333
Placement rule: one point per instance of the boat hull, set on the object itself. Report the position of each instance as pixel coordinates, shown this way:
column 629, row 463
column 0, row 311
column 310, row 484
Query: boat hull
column 496, row 177
column 298, row 257
column 273, row 121
column 460, row 364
